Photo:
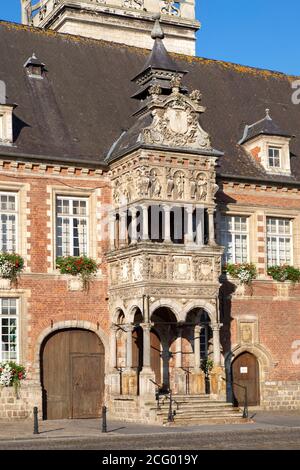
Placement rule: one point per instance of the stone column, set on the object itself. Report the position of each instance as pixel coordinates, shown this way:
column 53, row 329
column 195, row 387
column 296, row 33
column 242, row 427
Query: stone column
column 123, row 228
column 112, row 231
column 113, row 378
column 167, row 218
column 197, row 359
column 197, row 382
column 200, row 227
column 145, row 223
column 216, row 343
column 129, row 330
column 147, row 376
column 133, row 211
column 113, row 346
column 146, row 345
column 211, row 227
column 189, row 236
column 180, row 378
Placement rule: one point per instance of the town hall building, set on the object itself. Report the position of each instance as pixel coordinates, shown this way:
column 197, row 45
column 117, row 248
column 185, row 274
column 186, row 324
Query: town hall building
column 179, row 177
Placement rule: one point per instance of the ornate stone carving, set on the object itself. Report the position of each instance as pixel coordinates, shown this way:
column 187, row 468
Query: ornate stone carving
column 169, row 7
column 182, row 268
column 176, row 125
column 196, row 96
column 137, row 4
column 137, row 269
column 246, row 332
column 142, row 182
column 157, row 267
column 125, row 271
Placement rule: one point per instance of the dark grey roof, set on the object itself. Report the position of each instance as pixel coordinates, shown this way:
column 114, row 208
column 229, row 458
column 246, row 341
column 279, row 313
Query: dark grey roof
column 83, row 104
column 265, row 126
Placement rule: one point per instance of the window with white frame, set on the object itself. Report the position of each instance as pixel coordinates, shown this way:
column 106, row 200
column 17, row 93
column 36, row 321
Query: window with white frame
column 71, row 226
column 8, row 225
column 274, row 157
column 234, row 237
column 279, row 241
column 9, row 350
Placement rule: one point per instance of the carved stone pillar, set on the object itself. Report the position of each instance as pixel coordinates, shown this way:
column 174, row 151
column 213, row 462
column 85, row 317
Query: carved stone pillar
column 167, row 234
column 189, row 236
column 113, row 378
column 146, row 345
column 133, row 212
column 197, row 348
column 197, row 379
column 147, row 376
column 200, row 227
column 216, row 343
column 113, row 346
column 112, row 231
column 123, row 228
column 145, row 223
column 129, row 330
column 181, row 381
column 211, row 227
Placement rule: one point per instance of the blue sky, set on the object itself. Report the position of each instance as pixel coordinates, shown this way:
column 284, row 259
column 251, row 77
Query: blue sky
column 260, row 33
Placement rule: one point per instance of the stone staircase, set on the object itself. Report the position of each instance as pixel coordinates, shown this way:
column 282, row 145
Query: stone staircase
column 199, row 409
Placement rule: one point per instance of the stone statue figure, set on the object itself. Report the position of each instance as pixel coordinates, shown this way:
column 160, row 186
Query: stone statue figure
column 155, row 184
column 202, row 188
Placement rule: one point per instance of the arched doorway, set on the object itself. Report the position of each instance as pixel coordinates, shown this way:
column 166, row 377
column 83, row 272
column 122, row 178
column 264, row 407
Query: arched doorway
column 245, row 372
column 72, row 374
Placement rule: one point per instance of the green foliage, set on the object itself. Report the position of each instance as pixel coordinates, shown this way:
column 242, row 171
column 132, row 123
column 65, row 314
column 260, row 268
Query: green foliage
column 244, row 272
column 77, row 266
column 11, row 265
column 284, row 273
column 207, row 365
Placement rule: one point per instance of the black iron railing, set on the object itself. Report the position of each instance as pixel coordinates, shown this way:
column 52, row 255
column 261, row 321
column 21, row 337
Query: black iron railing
column 245, row 409
column 167, row 394
column 187, row 378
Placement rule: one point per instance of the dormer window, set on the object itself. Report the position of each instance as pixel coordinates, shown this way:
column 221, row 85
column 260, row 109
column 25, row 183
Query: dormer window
column 34, row 67
column 268, row 145
column 274, row 157
column 6, row 118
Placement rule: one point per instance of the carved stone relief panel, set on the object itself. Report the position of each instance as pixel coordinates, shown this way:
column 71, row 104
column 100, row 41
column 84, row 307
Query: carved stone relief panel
column 247, row 331
column 182, row 268
column 158, row 267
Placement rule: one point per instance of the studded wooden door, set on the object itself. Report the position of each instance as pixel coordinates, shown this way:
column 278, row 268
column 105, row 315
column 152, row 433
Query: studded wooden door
column 72, row 375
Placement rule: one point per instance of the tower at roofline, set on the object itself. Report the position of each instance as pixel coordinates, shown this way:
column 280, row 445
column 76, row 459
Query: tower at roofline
column 120, row 21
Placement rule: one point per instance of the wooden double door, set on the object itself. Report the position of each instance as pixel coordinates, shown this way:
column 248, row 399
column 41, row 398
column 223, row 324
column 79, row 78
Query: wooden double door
column 245, row 373
column 72, row 365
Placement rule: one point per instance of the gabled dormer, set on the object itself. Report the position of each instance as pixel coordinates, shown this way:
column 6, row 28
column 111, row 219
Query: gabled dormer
column 268, row 145
column 6, row 118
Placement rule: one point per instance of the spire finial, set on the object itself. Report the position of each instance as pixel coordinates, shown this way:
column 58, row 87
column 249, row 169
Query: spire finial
column 268, row 114
column 157, row 31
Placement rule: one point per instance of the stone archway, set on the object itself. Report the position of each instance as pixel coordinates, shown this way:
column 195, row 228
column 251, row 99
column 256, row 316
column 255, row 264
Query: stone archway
column 72, row 374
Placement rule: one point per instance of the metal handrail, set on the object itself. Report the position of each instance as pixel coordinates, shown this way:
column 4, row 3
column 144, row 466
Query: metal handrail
column 245, row 410
column 120, row 370
column 172, row 400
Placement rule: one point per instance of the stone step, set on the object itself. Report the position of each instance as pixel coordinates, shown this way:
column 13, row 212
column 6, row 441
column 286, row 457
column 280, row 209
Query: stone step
column 202, row 413
column 206, row 420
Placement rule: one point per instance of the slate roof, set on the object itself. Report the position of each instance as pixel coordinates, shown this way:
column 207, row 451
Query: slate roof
column 83, row 104
column 265, row 126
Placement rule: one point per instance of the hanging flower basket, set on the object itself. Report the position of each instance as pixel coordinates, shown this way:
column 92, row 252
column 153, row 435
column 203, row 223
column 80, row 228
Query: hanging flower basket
column 11, row 266
column 80, row 266
column 11, row 375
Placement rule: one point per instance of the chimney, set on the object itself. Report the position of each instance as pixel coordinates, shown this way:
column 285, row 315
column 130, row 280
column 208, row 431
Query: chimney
column 6, row 117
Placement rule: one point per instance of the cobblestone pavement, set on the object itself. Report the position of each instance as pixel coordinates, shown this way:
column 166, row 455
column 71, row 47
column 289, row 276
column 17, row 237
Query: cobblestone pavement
column 269, row 430
column 275, row 439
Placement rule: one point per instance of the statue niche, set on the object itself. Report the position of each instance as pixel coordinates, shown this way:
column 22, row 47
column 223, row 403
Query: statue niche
column 179, row 185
